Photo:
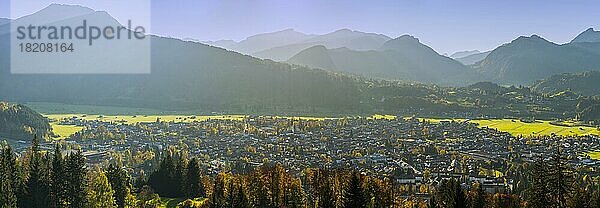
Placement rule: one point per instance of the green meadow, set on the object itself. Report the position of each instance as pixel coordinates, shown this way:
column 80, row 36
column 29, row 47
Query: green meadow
column 536, row 128
column 513, row 126
column 594, row 155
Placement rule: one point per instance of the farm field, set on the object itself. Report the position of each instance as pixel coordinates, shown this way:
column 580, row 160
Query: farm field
column 64, row 131
column 513, row 126
column 537, row 128
column 594, row 155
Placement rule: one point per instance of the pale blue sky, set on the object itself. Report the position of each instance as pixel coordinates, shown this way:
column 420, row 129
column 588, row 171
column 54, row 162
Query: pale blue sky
column 446, row 26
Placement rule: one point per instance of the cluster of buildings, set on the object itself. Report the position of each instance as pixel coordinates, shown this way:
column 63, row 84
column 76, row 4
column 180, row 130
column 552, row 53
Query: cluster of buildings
column 412, row 152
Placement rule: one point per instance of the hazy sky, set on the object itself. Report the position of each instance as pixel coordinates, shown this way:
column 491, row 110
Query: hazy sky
column 446, row 26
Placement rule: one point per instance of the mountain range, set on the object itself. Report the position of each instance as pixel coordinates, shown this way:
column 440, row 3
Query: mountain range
column 472, row 58
column 282, row 45
column 461, row 54
column 527, row 59
column 188, row 75
column 583, row 83
column 588, row 35
column 403, row 58
column 520, row 62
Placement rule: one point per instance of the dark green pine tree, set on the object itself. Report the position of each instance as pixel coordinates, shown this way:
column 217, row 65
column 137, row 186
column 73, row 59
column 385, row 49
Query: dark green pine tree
column 8, row 198
column 195, row 186
column 217, row 199
column 354, row 195
column 580, row 198
column 537, row 192
column 179, row 180
column 57, row 187
column 167, row 180
column 560, row 179
column 120, row 183
column 241, row 198
column 450, row 194
column 477, row 196
column 460, row 200
column 75, row 174
column 432, row 203
column 38, row 189
column 16, row 174
column 595, row 198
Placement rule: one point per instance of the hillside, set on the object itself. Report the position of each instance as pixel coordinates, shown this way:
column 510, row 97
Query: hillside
column 282, row 45
column 527, row 59
column 20, row 122
column 473, row 58
column 403, row 58
column 265, row 41
column 584, row 83
column 587, row 36
column 461, row 54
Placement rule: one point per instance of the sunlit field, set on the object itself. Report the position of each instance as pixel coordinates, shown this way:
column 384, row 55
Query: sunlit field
column 594, row 155
column 537, row 128
column 64, row 131
column 513, row 126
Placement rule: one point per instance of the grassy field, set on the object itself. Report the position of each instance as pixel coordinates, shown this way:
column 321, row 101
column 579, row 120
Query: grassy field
column 537, row 128
column 64, row 131
column 149, row 118
column 594, row 155
column 513, row 126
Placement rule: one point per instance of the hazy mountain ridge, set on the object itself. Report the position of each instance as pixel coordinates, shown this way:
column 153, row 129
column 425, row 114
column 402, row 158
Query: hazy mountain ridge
column 587, row 36
column 584, row 83
column 282, row 45
column 462, row 54
column 527, row 59
column 266, row 41
column 473, row 59
column 403, row 58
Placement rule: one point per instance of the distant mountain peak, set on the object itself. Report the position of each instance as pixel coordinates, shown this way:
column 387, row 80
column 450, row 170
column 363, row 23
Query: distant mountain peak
column 343, row 30
column 531, row 39
column 403, row 42
column 589, row 35
column 56, row 7
column 461, row 54
column 408, row 38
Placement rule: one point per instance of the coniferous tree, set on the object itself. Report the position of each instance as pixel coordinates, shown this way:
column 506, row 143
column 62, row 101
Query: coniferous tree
column 595, row 198
column 38, row 190
column 75, row 174
column 195, row 186
column 560, row 179
column 580, row 198
column 355, row 196
column 218, row 197
column 119, row 181
column 537, row 192
column 99, row 193
column 8, row 198
column 179, row 177
column 477, row 196
column 58, row 183
column 450, row 194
